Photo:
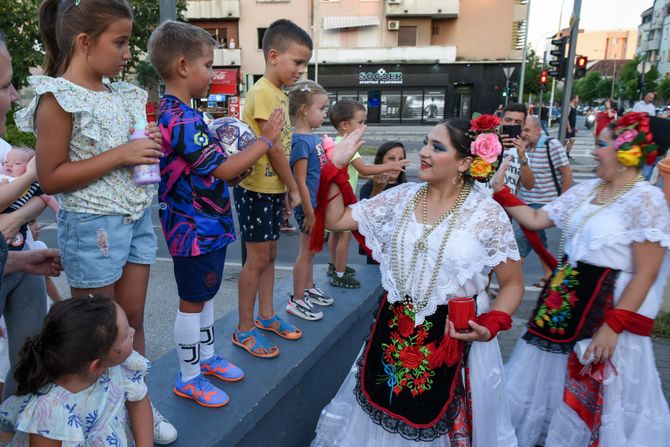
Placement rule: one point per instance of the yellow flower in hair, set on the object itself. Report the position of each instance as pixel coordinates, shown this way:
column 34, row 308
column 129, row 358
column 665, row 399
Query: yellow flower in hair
column 630, row 157
column 480, row 168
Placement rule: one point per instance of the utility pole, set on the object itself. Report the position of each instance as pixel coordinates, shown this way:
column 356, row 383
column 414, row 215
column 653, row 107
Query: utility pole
column 168, row 10
column 567, row 89
column 553, row 81
column 524, row 55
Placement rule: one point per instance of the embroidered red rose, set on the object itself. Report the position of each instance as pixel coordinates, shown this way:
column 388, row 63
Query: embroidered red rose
column 554, row 300
column 572, row 298
column 484, row 123
column 411, row 357
column 405, row 325
column 421, row 336
column 414, row 393
column 397, row 390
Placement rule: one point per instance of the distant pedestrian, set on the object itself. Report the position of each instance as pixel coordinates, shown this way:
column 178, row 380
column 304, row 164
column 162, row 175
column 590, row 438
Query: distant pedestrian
column 646, row 105
column 195, row 209
column 308, row 107
column 604, row 117
column 79, row 381
column 572, row 124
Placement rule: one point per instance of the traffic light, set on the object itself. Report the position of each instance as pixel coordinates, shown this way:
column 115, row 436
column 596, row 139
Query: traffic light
column 580, row 66
column 560, row 62
column 544, row 74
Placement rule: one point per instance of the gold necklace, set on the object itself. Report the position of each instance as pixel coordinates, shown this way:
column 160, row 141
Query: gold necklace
column 598, row 190
column 400, row 273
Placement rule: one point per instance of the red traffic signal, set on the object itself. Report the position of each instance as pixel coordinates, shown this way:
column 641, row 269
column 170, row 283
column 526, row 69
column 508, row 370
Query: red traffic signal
column 544, row 74
column 580, row 66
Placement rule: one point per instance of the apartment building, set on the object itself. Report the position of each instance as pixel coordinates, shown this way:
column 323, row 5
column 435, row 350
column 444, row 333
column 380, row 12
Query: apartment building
column 408, row 61
column 654, row 36
column 607, row 44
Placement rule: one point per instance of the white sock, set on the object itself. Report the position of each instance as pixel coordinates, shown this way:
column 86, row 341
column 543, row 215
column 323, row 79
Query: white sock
column 187, row 339
column 339, row 274
column 207, row 331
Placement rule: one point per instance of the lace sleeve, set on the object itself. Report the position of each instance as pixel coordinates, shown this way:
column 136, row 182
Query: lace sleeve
column 559, row 208
column 648, row 216
column 494, row 231
column 378, row 216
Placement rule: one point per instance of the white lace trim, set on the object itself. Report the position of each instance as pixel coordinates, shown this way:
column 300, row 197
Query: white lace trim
column 482, row 238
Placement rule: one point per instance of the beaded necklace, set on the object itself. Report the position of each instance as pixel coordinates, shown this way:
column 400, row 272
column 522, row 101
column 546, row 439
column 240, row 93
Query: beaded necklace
column 400, row 273
column 599, row 189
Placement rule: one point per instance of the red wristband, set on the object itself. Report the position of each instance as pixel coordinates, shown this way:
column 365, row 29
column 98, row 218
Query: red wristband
column 495, row 321
column 620, row 320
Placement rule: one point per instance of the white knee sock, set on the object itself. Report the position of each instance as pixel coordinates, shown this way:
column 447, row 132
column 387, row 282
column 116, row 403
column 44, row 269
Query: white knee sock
column 207, row 331
column 187, row 339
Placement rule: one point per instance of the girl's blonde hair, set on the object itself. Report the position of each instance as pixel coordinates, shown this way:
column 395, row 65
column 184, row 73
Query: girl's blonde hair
column 302, row 94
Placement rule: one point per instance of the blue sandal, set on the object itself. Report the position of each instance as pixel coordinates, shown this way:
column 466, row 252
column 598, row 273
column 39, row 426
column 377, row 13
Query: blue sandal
column 260, row 342
column 279, row 326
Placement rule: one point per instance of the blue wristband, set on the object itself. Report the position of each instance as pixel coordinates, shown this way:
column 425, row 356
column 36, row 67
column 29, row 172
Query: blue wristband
column 267, row 141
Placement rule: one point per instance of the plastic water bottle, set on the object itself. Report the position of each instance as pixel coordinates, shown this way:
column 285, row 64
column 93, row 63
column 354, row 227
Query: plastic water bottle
column 145, row 174
column 328, row 145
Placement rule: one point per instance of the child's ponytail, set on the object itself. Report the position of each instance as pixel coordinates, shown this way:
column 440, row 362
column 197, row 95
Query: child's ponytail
column 54, row 57
column 76, row 332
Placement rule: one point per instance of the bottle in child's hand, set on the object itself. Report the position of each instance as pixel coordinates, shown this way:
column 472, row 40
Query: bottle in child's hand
column 144, row 174
column 328, row 145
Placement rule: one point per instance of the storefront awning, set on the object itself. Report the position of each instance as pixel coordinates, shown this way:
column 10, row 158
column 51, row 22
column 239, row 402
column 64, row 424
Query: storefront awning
column 224, row 82
column 341, row 22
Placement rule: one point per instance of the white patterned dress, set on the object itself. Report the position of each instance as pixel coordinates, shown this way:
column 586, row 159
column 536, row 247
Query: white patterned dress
column 481, row 239
column 94, row 417
column 635, row 412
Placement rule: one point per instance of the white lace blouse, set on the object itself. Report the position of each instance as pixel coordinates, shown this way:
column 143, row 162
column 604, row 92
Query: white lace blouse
column 481, row 239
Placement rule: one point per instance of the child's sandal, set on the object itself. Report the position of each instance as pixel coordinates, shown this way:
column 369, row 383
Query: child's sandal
column 279, row 326
column 260, row 345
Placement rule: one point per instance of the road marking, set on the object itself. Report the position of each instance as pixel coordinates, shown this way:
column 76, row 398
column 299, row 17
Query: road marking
column 281, row 267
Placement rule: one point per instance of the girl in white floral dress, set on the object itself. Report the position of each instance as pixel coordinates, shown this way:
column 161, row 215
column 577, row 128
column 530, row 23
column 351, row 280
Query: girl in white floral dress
column 84, row 154
column 79, row 380
column 416, row 379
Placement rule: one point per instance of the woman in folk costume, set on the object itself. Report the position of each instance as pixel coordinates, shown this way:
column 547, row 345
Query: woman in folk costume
column 417, row 379
column 584, row 372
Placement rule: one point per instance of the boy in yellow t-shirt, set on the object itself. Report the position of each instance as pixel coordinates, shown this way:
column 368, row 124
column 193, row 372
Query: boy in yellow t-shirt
column 259, row 199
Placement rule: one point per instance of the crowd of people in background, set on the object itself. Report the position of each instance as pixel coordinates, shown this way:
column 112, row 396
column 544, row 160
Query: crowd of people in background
column 488, row 188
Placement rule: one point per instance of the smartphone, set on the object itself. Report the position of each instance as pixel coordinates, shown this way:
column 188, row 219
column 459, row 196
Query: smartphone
column 511, row 130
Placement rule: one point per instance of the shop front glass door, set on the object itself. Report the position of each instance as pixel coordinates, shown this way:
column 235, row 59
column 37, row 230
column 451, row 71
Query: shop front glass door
column 391, row 103
column 412, row 105
column 433, row 106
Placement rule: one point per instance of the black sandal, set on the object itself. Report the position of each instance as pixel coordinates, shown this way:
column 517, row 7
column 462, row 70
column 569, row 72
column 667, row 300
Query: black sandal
column 542, row 283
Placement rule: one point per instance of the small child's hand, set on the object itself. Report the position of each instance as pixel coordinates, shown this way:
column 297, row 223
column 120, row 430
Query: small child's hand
column 154, row 132
column 274, row 124
column 143, row 151
column 381, row 180
column 31, row 169
column 308, row 225
column 347, row 147
column 293, row 199
column 399, row 165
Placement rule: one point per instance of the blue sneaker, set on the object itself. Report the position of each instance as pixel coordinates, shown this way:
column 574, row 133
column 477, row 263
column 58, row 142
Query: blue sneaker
column 219, row 367
column 201, row 391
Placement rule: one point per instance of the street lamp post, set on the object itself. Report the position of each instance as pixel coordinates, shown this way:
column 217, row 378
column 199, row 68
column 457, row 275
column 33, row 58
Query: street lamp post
column 168, row 10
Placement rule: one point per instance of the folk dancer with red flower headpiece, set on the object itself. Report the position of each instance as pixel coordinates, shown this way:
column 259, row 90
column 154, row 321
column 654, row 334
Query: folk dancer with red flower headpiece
column 584, row 374
column 417, row 379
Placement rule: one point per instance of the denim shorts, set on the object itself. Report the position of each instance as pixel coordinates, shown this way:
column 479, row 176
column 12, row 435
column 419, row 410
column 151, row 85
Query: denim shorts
column 259, row 214
column 199, row 277
column 95, row 248
column 521, row 240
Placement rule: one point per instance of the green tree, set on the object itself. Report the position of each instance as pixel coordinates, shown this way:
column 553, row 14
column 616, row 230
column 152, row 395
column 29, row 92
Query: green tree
column 18, row 22
column 651, row 79
column 629, row 80
column 587, row 87
column 664, row 88
column 531, row 81
column 605, row 88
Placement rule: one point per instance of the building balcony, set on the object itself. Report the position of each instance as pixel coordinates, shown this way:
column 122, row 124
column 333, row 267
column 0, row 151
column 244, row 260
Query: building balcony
column 642, row 46
column 427, row 54
column 212, row 9
column 437, row 9
column 227, row 57
column 654, row 44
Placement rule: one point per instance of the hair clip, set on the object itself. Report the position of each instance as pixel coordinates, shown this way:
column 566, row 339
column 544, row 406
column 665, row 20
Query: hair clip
column 36, row 345
column 306, row 89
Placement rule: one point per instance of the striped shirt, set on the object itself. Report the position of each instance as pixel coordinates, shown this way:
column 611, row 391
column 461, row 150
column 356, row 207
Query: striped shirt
column 545, row 189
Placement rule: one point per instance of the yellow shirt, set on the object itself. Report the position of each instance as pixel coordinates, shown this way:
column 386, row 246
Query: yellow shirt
column 260, row 102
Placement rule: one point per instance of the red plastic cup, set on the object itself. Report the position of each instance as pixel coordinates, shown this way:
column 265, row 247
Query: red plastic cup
column 461, row 310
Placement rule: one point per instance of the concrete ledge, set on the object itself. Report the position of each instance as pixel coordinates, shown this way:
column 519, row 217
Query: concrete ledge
column 279, row 400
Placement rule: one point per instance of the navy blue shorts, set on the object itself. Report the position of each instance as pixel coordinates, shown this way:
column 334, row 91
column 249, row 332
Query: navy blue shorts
column 259, row 214
column 199, row 277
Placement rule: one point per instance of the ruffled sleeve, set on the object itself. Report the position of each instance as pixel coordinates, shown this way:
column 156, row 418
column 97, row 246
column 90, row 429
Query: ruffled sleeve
column 377, row 218
column 559, row 208
column 134, row 98
column 49, row 415
column 495, row 234
column 134, row 370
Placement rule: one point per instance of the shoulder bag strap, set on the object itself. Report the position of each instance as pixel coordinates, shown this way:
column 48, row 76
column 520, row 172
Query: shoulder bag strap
column 551, row 166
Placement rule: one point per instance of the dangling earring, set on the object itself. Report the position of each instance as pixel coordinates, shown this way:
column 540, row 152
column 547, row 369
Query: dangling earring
column 457, row 182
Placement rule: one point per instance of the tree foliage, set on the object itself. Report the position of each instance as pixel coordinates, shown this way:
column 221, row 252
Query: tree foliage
column 664, row 88
column 531, row 81
column 18, row 21
column 587, row 87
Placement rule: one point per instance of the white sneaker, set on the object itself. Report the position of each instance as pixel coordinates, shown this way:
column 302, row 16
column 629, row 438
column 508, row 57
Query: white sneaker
column 318, row 296
column 303, row 309
column 164, row 431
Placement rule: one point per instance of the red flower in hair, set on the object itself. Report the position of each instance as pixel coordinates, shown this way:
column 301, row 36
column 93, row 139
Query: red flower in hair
column 633, row 118
column 484, row 123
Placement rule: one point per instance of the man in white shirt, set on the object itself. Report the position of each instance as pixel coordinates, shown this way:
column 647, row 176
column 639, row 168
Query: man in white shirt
column 519, row 171
column 646, row 105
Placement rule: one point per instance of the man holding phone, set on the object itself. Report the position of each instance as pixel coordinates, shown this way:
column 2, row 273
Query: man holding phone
column 519, row 171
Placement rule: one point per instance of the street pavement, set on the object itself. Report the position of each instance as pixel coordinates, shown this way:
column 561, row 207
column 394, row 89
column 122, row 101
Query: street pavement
column 162, row 296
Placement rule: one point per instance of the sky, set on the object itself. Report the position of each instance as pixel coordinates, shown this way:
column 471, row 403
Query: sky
column 595, row 15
